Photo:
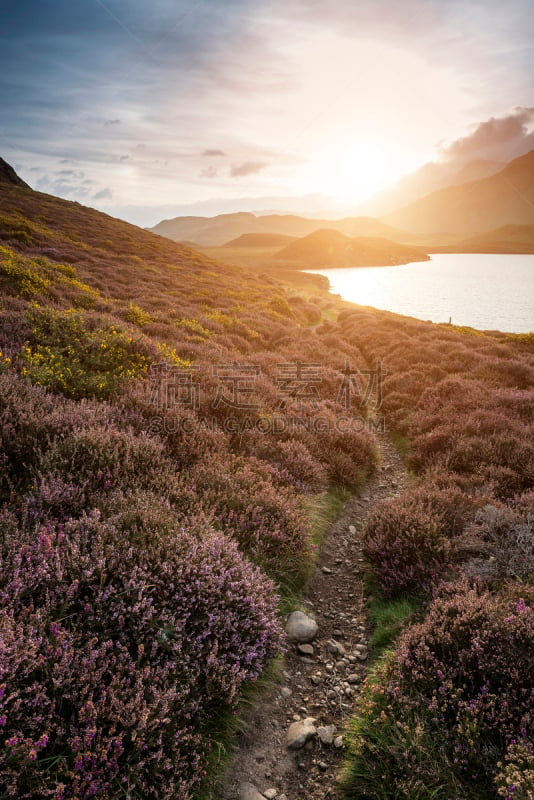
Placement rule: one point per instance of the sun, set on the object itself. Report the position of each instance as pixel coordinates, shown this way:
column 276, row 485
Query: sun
column 360, row 172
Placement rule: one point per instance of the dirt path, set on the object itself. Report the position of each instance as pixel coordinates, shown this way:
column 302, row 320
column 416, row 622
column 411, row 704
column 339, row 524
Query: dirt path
column 321, row 683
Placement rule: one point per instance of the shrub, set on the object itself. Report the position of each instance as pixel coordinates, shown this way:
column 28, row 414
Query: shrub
column 114, row 655
column 444, row 709
column 405, row 546
column 294, row 464
column 22, row 275
column 68, row 355
column 506, row 542
column 267, row 520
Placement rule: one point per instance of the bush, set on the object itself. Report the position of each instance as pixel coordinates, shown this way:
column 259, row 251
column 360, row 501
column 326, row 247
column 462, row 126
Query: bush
column 77, row 359
column 114, row 655
column 444, row 709
column 406, row 548
column 505, row 539
column 266, row 520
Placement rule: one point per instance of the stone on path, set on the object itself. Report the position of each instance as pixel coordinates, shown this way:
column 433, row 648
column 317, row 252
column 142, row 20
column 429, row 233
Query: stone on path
column 336, row 648
column 305, row 649
column 270, row 794
column 300, row 627
column 326, row 733
column 301, row 732
column 247, row 791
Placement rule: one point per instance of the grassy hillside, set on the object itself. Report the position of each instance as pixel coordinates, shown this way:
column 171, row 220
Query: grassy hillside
column 506, row 198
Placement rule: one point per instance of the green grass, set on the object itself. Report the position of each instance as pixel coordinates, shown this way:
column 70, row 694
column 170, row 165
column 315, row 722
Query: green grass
column 388, row 618
column 402, row 444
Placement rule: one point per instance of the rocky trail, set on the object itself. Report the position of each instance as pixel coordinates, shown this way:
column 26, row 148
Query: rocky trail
column 291, row 745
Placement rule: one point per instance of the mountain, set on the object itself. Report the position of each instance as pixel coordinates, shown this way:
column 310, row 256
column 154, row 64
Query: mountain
column 427, row 179
column 507, row 239
column 474, row 207
column 8, row 175
column 213, row 231
column 329, row 248
column 260, row 240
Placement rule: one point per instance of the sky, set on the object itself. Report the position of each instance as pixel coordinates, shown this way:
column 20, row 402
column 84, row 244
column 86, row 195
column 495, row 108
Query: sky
column 147, row 110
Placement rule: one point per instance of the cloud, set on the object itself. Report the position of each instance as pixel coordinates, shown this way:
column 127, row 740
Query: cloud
column 247, row 168
column 112, row 122
column 214, row 153
column 209, row 172
column 103, row 194
column 496, row 139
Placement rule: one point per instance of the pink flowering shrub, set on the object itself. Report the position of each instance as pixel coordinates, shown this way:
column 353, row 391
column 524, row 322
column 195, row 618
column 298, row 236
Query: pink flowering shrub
column 406, row 547
column 449, row 703
column 267, row 520
column 114, row 651
column 410, row 541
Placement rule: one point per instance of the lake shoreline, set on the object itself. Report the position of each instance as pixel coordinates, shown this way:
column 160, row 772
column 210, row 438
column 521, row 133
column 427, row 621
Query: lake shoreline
column 479, row 291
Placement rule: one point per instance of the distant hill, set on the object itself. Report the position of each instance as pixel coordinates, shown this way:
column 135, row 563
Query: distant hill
column 427, row 179
column 260, row 240
column 507, row 239
column 219, row 230
column 329, row 248
column 8, row 175
column 477, row 206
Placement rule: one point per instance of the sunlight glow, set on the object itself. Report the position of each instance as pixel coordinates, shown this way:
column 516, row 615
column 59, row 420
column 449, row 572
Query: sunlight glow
column 361, row 171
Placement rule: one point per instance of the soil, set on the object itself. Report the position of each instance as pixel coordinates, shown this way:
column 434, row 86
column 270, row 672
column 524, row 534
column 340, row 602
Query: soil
column 322, row 685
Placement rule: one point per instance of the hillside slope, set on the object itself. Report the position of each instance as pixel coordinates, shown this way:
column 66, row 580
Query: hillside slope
column 152, row 516
column 329, row 248
column 477, row 206
column 507, row 239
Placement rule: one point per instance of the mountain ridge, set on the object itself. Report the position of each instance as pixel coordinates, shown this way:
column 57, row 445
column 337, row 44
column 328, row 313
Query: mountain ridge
column 475, row 207
column 219, row 230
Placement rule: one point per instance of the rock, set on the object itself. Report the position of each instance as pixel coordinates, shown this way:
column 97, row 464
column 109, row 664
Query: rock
column 301, row 732
column 326, row 733
column 316, row 679
column 8, row 175
column 336, row 648
column 353, row 678
column 362, row 652
column 300, row 627
column 247, row 791
column 338, row 742
column 326, row 570
column 322, row 765
column 305, row 649
column 352, row 529
column 286, row 692
column 270, row 794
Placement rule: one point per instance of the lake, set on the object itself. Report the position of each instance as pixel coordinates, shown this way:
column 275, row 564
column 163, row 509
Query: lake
column 489, row 292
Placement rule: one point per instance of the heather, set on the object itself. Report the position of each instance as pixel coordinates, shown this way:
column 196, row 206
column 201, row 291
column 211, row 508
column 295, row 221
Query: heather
column 164, row 443
column 447, row 710
column 447, row 713
column 108, row 664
